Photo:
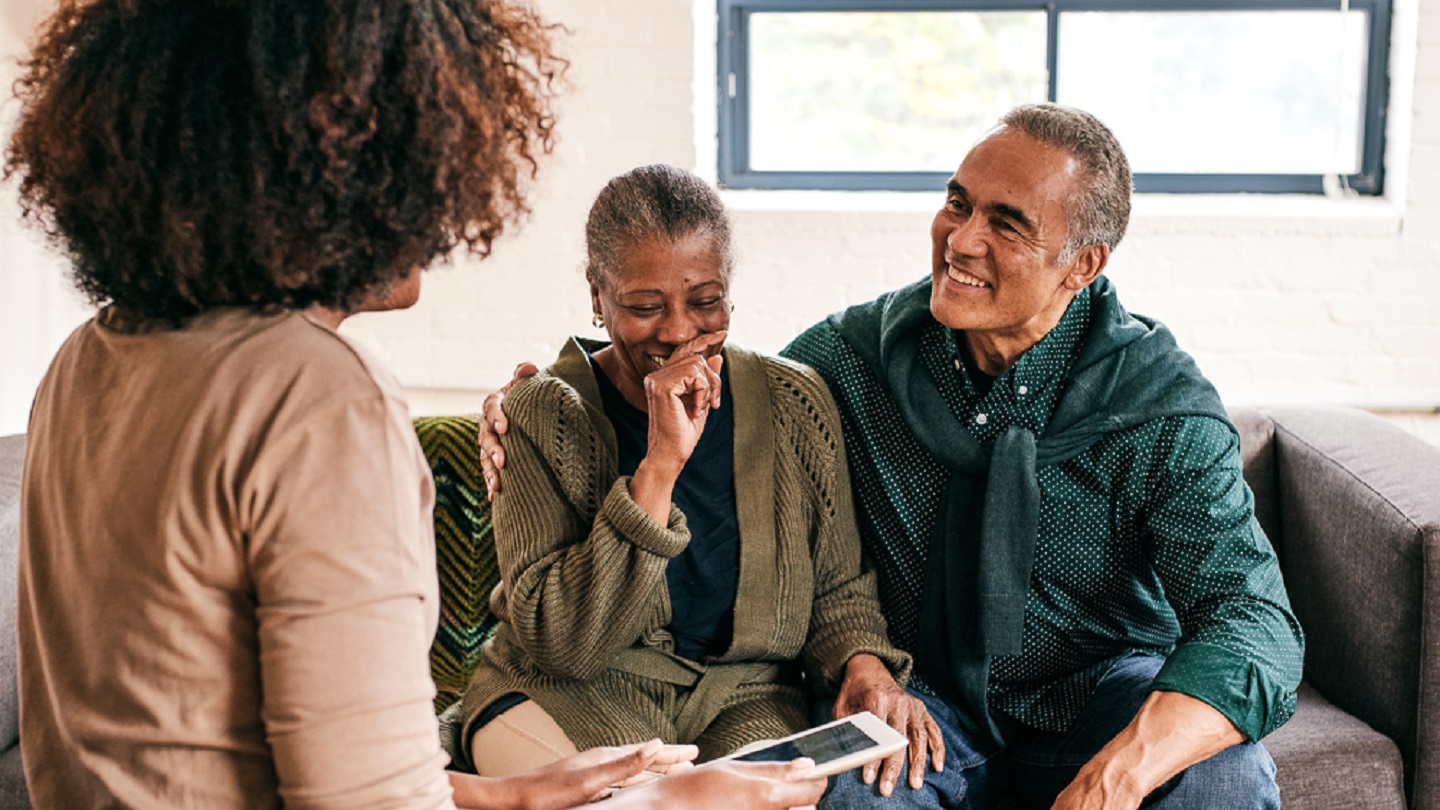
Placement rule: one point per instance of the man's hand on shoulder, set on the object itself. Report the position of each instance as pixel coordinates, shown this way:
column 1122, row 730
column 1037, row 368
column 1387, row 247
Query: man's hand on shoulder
column 493, row 425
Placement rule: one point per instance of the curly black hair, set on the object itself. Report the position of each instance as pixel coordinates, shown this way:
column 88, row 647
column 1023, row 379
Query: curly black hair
column 188, row 154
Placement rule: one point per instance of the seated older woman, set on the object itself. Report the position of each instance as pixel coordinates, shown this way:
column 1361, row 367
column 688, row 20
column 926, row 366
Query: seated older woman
column 675, row 533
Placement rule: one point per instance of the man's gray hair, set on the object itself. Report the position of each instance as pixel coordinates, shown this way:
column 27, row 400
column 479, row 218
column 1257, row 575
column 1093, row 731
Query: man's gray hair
column 657, row 202
column 1098, row 212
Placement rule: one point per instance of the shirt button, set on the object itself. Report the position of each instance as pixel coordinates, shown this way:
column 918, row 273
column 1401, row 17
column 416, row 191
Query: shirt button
column 1023, row 390
column 957, row 364
column 981, row 419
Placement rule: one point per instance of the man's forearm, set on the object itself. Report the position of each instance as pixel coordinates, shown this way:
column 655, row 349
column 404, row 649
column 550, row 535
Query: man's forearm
column 1171, row 732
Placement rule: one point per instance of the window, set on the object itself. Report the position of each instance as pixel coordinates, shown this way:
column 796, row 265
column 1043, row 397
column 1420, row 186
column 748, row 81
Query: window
column 1205, row 95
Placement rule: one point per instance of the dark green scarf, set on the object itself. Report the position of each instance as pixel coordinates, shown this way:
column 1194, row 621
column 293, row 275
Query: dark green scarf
column 1129, row 371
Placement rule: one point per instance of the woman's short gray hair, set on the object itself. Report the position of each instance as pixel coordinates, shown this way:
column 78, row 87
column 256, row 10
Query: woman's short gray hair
column 1098, row 212
column 657, row 202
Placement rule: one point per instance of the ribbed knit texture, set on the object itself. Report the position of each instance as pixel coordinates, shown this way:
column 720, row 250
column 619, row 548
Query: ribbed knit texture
column 583, row 569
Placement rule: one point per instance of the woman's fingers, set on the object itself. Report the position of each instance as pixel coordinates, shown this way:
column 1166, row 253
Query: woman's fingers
column 679, row 394
column 729, row 784
column 671, row 756
column 693, row 380
column 937, row 743
column 613, row 766
column 890, row 774
column 656, row 761
column 698, row 373
column 919, row 748
column 713, row 366
column 870, row 688
column 698, row 345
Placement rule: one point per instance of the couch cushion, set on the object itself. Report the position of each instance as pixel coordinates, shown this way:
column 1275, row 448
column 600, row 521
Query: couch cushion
column 1360, row 500
column 464, row 552
column 1326, row 759
column 12, row 459
column 13, row 792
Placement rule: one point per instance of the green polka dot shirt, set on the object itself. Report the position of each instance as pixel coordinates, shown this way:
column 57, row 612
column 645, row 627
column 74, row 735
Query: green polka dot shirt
column 1147, row 542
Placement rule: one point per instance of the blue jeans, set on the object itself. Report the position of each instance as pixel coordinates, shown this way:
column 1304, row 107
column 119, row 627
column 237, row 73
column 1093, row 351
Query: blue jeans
column 1036, row 765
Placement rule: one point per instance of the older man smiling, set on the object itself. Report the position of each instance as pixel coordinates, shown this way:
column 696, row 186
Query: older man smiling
column 1052, row 494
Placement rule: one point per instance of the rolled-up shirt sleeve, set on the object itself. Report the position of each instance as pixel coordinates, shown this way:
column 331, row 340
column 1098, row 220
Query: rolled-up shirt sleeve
column 1241, row 648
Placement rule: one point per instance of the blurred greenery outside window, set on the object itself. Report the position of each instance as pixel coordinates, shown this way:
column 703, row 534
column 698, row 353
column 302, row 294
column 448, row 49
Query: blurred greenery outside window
column 1205, row 95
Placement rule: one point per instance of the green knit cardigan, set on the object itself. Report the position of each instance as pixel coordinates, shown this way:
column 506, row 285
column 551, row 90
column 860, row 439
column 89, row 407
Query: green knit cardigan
column 583, row 604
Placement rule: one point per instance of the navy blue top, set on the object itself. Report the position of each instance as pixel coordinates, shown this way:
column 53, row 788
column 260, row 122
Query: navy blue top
column 704, row 577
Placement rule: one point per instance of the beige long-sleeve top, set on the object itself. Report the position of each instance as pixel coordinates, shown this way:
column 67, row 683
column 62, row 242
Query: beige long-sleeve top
column 583, row 599
column 227, row 576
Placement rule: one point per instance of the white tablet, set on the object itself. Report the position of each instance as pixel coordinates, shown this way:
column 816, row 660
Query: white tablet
column 836, row 746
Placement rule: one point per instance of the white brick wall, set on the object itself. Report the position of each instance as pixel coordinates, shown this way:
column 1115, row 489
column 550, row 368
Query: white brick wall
column 1281, row 300
column 37, row 309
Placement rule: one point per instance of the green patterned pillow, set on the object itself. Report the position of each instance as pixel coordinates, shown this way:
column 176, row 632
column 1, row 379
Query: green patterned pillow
column 464, row 552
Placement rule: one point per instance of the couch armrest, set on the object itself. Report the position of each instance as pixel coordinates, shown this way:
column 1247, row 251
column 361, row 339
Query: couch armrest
column 1257, row 452
column 1360, row 510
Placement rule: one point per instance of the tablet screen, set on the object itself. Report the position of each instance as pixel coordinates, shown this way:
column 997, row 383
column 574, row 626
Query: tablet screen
column 821, row 745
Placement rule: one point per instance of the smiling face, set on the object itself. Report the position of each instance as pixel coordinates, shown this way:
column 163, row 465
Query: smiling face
column 995, row 244
column 663, row 294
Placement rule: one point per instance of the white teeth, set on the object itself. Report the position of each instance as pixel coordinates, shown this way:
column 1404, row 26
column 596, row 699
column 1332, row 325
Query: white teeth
column 964, row 278
column 659, row 361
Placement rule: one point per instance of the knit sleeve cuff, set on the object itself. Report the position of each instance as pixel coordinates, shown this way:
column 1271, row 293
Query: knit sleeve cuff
column 830, row 650
column 1249, row 697
column 635, row 524
column 897, row 661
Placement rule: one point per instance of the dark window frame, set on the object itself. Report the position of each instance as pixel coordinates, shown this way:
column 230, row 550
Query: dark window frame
column 733, row 87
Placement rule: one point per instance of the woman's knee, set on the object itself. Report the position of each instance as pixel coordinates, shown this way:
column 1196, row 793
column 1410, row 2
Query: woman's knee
column 522, row 738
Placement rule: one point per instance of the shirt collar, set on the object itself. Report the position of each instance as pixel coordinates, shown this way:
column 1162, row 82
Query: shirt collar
column 1044, row 363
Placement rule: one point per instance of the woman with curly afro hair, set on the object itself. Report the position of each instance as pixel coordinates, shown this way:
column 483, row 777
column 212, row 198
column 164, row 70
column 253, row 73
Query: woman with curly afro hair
column 227, row 585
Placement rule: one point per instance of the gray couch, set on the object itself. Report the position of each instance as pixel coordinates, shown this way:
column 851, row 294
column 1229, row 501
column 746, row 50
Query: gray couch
column 12, row 777
column 1353, row 507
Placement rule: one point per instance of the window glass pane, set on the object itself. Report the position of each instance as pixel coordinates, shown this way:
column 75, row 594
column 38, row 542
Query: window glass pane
column 886, row 91
column 1245, row 92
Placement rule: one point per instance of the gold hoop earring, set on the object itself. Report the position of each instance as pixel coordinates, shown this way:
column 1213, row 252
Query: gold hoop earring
column 598, row 320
